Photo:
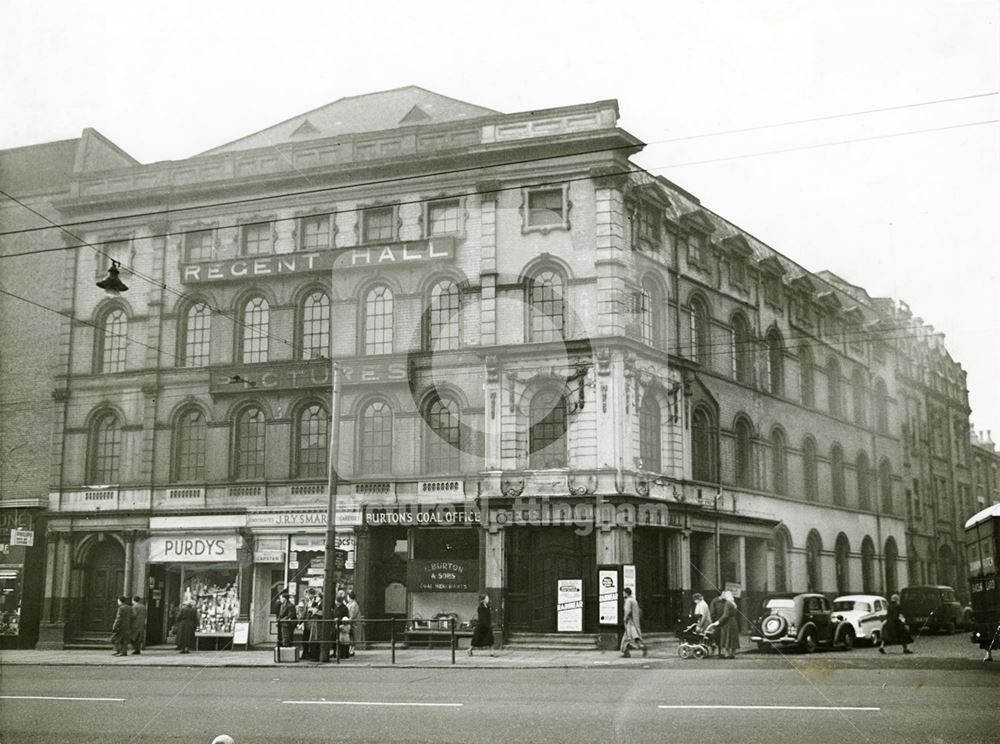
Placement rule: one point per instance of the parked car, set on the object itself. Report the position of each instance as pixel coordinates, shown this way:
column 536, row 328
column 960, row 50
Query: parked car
column 865, row 613
column 931, row 606
column 802, row 620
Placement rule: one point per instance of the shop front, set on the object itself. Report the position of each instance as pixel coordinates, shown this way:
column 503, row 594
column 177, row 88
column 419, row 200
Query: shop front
column 22, row 568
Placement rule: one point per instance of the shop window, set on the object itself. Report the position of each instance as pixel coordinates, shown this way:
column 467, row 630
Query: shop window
column 378, row 320
column 215, row 593
column 105, row 449
column 256, row 239
column 315, row 233
column 378, row 225
column 312, row 450
column 316, row 325
column 376, row 439
column 443, row 447
column 249, row 450
column 197, row 335
column 256, row 321
column 112, row 340
column 190, row 437
column 442, row 332
column 649, row 433
column 547, row 431
column 546, row 308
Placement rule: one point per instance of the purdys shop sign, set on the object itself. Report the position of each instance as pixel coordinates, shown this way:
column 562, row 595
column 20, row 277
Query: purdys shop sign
column 194, row 548
column 369, row 256
column 442, row 576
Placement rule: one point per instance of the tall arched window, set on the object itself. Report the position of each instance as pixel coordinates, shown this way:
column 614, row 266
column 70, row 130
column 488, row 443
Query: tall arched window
column 807, row 382
column 443, row 448
column 885, row 485
column 704, row 446
column 859, row 396
column 810, row 470
column 834, row 396
column 744, row 453
column 256, row 321
column 378, row 320
column 190, row 441
column 375, row 456
column 814, row 566
column 112, row 340
column 197, row 335
column 316, row 325
column 837, row 475
column 312, row 452
column 546, row 306
column 701, row 333
column 742, row 350
column 862, row 472
column 775, row 362
column 249, row 455
column 842, row 551
column 891, row 554
column 652, row 308
column 881, row 407
column 867, row 566
column 105, row 449
column 781, row 545
column 547, row 430
column 779, row 462
column 649, row 432
column 442, row 317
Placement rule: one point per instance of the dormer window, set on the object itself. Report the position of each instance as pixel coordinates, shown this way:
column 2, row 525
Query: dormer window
column 646, row 227
column 698, row 249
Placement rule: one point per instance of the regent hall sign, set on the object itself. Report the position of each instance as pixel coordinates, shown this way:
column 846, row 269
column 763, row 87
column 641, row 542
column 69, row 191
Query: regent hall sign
column 393, row 254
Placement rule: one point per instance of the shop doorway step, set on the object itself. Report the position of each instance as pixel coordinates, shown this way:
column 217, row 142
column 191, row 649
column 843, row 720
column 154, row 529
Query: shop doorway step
column 581, row 641
column 90, row 642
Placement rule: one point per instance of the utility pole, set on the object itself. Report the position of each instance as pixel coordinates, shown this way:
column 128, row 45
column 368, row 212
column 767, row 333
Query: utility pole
column 329, row 584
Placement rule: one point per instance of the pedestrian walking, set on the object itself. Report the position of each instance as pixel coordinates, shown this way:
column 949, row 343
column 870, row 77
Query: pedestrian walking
column 354, row 615
column 894, row 628
column 343, row 627
column 482, row 635
column 286, row 620
column 121, row 630
column 187, row 621
column 729, row 627
column 138, row 625
column 632, row 636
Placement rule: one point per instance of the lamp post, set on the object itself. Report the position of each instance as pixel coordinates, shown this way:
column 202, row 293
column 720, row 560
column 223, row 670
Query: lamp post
column 329, row 584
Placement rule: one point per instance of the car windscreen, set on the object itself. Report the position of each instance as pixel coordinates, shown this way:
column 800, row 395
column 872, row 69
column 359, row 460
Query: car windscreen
column 847, row 605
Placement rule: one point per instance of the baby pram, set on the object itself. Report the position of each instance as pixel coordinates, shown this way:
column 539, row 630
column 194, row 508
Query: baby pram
column 695, row 642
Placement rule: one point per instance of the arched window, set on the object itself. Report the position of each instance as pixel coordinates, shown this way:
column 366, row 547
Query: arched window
column 837, row 475
column 547, row 430
column 442, row 317
column 863, row 474
column 775, row 362
column 881, row 407
column 312, row 451
column 649, row 432
column 250, row 439
column 704, row 446
column 256, row 320
column 742, row 350
column 197, row 335
column 781, row 545
column 891, row 554
column 546, row 306
column 190, row 438
column 744, row 453
column 810, row 471
column 378, row 320
column 807, row 383
column 316, row 325
column 814, row 566
column 779, row 462
column 111, row 341
column 867, row 566
column 885, row 485
column 443, row 449
column 375, row 457
column 833, row 393
column 701, row 333
column 105, row 449
column 859, row 395
column 842, row 551
column 652, row 307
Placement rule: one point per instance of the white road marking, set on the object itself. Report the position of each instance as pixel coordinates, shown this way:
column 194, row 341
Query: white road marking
column 363, row 702
column 45, row 697
column 762, row 707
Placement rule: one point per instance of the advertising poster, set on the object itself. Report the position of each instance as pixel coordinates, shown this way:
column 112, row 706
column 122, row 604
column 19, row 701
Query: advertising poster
column 569, row 605
column 607, row 596
column 628, row 579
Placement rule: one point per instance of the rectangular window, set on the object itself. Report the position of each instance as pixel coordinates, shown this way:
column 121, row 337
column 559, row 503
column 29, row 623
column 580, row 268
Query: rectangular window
column 646, row 227
column 378, row 225
column 315, row 233
column 444, row 218
column 697, row 251
column 199, row 246
column 772, row 290
column 546, row 207
column 256, row 239
column 738, row 273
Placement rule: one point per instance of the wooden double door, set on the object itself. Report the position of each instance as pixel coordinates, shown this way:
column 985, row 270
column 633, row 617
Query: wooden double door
column 104, row 582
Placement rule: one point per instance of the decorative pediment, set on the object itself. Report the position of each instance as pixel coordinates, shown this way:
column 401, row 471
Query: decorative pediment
column 853, row 314
column 653, row 193
column 804, row 284
column 829, row 300
column 771, row 265
column 306, row 129
column 698, row 221
column 415, row 115
column 738, row 246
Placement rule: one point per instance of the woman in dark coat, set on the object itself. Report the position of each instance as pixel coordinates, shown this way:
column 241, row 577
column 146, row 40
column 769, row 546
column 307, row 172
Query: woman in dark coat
column 343, row 628
column 729, row 627
column 482, row 636
column 187, row 621
column 894, row 629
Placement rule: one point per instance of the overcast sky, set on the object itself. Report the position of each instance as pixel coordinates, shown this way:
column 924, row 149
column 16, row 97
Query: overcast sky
column 904, row 212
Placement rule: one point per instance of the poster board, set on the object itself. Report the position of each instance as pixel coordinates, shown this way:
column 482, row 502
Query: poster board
column 241, row 634
column 569, row 605
column 628, row 579
column 608, row 594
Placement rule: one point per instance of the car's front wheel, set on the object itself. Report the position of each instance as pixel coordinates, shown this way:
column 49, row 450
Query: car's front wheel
column 847, row 641
column 808, row 642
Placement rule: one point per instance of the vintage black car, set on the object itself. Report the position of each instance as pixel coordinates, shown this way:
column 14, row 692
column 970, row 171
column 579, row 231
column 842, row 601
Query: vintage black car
column 803, row 620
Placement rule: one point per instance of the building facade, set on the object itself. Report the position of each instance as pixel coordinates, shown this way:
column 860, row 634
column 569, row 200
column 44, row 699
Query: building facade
column 548, row 362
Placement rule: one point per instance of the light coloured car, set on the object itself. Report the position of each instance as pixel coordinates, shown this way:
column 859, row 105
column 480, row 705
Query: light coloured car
column 865, row 613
